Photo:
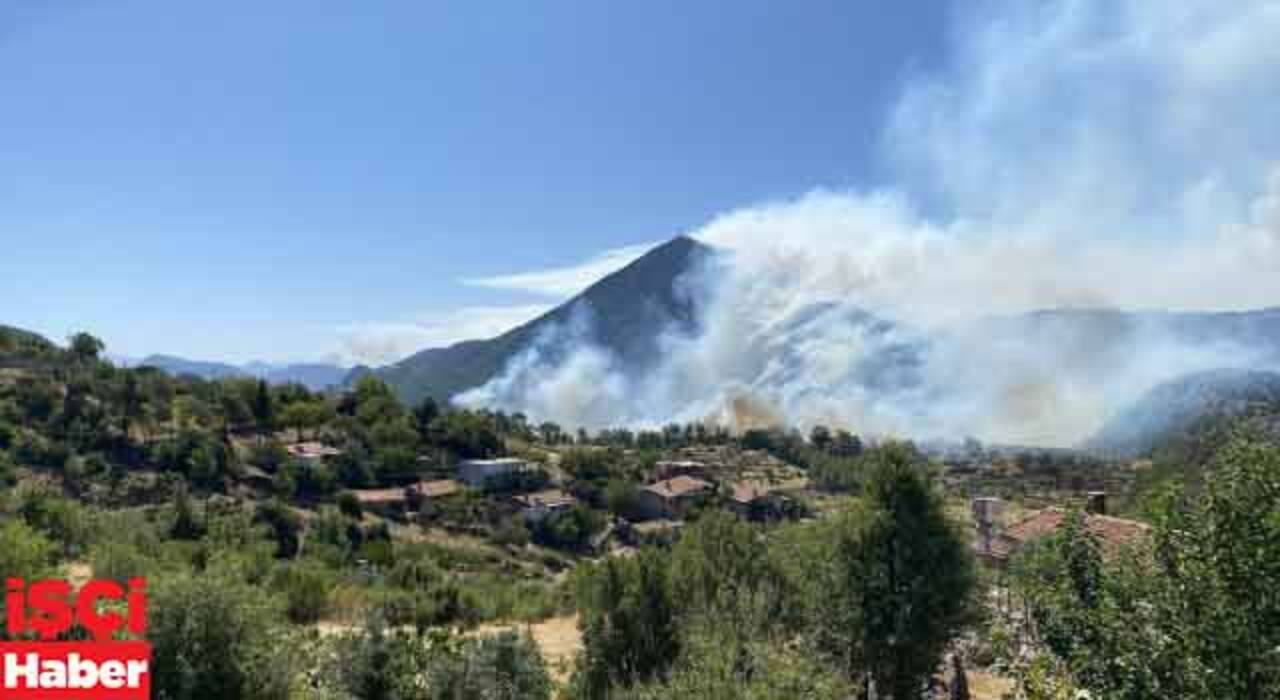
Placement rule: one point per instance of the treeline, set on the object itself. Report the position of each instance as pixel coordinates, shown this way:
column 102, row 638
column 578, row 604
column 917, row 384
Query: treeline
column 71, row 411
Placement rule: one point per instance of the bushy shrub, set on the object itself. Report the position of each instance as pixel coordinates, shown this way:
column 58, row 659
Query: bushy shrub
column 382, row 663
column 505, row 666
column 571, row 529
column 511, row 532
column 349, row 505
column 284, row 525
column 305, row 586
column 66, row 522
column 119, row 561
column 215, row 638
column 268, row 456
column 24, row 553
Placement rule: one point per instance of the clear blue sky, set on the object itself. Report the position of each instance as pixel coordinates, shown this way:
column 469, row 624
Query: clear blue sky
column 243, row 180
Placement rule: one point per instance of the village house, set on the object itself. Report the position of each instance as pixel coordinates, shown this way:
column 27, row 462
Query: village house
column 754, row 500
column 396, row 501
column 311, row 452
column 996, row 544
column 672, row 498
column 475, row 472
column 389, row 502
column 536, row 507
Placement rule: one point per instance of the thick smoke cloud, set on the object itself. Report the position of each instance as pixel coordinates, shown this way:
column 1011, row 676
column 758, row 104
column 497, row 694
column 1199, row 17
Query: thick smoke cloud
column 1077, row 154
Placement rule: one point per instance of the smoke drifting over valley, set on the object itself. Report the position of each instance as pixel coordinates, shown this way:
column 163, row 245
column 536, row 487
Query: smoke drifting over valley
column 1078, row 154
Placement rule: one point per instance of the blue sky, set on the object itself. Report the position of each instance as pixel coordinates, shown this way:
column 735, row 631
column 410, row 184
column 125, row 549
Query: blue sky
column 299, row 180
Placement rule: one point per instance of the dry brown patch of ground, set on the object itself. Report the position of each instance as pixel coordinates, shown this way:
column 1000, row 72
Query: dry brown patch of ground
column 557, row 638
column 78, row 574
column 985, row 686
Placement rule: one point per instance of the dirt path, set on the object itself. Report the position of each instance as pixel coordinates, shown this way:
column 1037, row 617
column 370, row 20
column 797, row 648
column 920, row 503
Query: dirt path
column 557, row 638
column 984, row 686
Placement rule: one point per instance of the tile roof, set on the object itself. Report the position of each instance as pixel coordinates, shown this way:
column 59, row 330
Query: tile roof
column 677, row 487
column 436, row 489
column 379, row 496
column 748, row 491
column 1113, row 532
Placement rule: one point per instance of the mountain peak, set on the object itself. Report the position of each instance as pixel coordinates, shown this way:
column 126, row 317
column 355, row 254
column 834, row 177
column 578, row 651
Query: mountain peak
column 629, row 309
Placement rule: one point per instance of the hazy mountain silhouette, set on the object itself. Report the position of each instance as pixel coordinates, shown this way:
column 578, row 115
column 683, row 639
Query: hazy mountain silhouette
column 628, row 310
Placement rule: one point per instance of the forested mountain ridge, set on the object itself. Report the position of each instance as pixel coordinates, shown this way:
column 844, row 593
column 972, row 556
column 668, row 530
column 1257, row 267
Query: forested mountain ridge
column 627, row 310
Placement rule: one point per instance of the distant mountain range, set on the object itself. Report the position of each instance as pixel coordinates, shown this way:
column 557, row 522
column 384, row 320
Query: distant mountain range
column 626, row 312
column 314, row 376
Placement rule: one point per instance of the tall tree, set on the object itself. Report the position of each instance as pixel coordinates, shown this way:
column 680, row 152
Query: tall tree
column 263, row 408
column 85, row 348
column 902, row 578
column 820, row 437
column 628, row 624
column 130, row 402
column 424, row 414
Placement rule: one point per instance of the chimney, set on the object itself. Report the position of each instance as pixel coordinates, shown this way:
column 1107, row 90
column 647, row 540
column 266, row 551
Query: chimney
column 987, row 510
column 986, row 513
column 1096, row 502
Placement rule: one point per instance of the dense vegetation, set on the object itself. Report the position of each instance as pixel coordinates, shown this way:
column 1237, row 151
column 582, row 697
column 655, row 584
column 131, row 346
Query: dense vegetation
column 868, row 599
column 1191, row 613
column 270, row 579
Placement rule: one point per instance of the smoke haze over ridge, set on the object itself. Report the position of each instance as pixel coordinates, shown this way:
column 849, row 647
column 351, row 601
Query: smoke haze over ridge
column 1075, row 154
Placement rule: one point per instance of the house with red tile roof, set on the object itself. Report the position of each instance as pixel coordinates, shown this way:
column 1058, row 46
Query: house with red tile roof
column 672, row 498
column 999, row 545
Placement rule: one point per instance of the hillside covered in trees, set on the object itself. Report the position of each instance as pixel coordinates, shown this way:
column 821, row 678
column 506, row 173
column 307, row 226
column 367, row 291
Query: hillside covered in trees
column 302, row 544
column 626, row 312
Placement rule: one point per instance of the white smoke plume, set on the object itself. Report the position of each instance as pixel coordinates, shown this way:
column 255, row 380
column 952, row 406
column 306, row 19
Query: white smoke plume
column 1077, row 153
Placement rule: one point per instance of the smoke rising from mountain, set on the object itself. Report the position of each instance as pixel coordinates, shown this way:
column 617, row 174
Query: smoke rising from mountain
column 1078, row 153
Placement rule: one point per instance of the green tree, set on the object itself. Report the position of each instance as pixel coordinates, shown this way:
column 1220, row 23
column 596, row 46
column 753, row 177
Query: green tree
column 505, row 666
column 628, row 623
column 263, row 408
column 902, row 578
column 1189, row 613
column 820, row 437
column 378, row 663
column 424, row 414
column 296, row 416
column 721, row 568
column 285, row 525
column 131, row 402
column 85, row 348
column 717, row 664
column 186, row 526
